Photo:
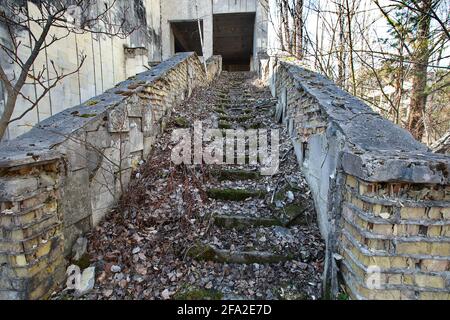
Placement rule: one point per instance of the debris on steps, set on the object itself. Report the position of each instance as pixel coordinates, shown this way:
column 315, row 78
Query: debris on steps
column 236, row 175
column 208, row 232
column 243, row 222
column 235, row 194
column 209, row 252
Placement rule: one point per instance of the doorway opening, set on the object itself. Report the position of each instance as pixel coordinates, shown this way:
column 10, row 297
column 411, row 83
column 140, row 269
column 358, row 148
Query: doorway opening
column 233, row 39
column 187, row 36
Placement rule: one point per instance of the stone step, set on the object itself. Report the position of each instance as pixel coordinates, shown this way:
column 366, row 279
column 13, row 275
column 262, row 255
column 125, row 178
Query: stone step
column 235, row 194
column 239, row 222
column 208, row 252
column 236, row 175
column 238, row 119
column 255, row 244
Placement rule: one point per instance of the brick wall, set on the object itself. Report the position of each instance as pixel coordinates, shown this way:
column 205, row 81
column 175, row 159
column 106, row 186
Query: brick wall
column 382, row 198
column 62, row 177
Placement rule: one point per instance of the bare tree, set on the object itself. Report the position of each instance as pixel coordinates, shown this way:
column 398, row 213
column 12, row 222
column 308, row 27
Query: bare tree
column 288, row 24
column 35, row 32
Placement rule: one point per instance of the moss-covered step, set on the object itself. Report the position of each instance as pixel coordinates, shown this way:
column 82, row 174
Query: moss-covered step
column 293, row 213
column 220, row 110
column 244, row 222
column 224, row 125
column 255, row 125
column 181, row 122
column 245, row 157
column 208, row 252
column 235, row 194
column 236, row 175
column 194, row 293
column 243, row 118
column 239, row 119
column 224, row 118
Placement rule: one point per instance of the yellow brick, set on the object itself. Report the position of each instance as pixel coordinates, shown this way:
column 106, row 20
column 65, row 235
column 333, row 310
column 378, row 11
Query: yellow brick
column 384, row 229
column 17, row 235
column 361, row 223
column 408, row 279
column 407, row 295
column 413, row 248
column 440, row 249
column 406, row 230
column 427, row 281
column 398, row 262
column 412, row 213
column 435, row 213
column 366, row 188
column 377, row 209
column 445, row 213
column 377, row 244
column 384, row 295
column 358, row 203
column 44, row 250
column 21, row 261
column 412, row 263
column 355, row 233
column 352, row 182
column 394, row 279
column 434, row 231
column 445, row 231
column 434, row 265
column 434, row 296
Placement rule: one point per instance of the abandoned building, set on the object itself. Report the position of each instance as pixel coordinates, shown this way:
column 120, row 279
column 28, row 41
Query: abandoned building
column 380, row 199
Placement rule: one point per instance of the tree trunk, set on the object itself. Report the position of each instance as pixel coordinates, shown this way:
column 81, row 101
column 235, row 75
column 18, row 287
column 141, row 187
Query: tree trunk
column 285, row 21
column 280, row 27
column 420, row 59
column 350, row 13
column 341, row 51
column 299, row 29
column 7, row 114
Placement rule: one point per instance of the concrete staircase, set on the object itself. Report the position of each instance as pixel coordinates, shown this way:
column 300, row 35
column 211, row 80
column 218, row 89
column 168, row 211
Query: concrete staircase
column 257, row 220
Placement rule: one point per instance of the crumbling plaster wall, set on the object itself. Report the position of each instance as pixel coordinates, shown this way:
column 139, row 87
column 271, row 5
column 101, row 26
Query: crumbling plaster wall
column 107, row 62
column 382, row 198
column 61, row 178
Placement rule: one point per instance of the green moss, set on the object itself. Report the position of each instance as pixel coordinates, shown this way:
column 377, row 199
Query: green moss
column 84, row 262
column 236, row 175
column 224, row 118
column 92, row 103
column 243, row 118
column 234, row 194
column 343, row 296
column 202, row 252
column 181, row 122
column 198, row 294
column 256, row 126
column 220, row 111
column 224, row 125
column 243, row 223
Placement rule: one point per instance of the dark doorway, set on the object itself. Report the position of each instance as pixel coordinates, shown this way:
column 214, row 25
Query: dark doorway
column 233, row 39
column 187, row 36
